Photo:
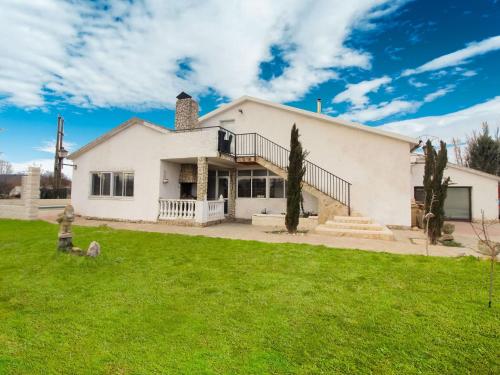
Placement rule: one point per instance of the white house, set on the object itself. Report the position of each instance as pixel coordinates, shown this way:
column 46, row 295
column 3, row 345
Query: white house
column 142, row 171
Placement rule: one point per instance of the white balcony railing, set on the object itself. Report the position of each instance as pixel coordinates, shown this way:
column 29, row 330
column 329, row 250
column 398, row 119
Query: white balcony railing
column 172, row 209
column 189, row 209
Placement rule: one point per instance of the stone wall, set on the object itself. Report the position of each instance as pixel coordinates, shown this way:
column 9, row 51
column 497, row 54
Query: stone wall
column 25, row 208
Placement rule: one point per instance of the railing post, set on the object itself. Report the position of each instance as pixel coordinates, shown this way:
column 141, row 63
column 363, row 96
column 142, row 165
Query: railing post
column 235, row 146
column 255, row 145
column 349, row 199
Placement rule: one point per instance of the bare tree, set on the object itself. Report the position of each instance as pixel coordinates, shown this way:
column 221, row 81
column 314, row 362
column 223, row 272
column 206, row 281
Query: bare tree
column 458, row 151
column 487, row 247
column 5, row 167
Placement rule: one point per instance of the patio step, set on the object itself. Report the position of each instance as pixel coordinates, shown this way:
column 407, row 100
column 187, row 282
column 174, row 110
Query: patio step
column 354, row 225
column 384, row 234
column 352, row 219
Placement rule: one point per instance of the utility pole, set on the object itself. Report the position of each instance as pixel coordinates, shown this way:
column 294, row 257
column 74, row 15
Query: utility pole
column 60, row 154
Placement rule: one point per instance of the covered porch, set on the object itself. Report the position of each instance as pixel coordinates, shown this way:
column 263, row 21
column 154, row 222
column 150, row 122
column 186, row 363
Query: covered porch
column 197, row 191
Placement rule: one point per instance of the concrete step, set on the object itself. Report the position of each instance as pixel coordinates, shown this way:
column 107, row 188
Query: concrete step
column 384, row 234
column 352, row 219
column 360, row 226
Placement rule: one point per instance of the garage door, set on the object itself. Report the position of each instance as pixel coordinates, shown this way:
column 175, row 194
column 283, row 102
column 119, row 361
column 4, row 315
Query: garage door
column 458, row 202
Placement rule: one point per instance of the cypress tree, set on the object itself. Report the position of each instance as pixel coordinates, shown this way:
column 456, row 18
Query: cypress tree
column 296, row 171
column 435, row 188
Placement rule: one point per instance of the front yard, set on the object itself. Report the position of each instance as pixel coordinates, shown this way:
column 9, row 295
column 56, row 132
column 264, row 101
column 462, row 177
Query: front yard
column 162, row 303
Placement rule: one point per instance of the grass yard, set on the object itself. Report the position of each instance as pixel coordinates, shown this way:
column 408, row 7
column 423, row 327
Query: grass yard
column 156, row 303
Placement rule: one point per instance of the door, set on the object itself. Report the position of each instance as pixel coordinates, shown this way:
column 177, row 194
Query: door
column 457, row 205
column 223, row 189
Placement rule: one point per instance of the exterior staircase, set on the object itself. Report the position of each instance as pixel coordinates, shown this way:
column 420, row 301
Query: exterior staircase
column 333, row 193
column 354, row 226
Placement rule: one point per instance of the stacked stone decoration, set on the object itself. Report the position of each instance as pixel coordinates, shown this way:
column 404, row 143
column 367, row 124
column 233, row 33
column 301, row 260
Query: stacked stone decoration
column 65, row 220
column 189, row 173
column 202, row 185
column 186, row 112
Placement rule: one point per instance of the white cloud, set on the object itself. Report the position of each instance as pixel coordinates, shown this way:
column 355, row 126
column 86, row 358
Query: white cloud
column 395, row 107
column 412, row 81
column 457, row 124
column 458, row 57
column 356, row 93
column 382, row 110
column 46, row 165
column 130, row 55
column 469, row 73
column 437, row 94
column 50, row 146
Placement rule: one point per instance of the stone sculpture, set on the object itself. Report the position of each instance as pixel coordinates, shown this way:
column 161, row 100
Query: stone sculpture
column 65, row 219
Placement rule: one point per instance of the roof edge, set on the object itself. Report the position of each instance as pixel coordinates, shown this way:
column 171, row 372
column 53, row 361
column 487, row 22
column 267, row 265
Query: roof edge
column 124, row 125
column 304, row 112
column 467, row 170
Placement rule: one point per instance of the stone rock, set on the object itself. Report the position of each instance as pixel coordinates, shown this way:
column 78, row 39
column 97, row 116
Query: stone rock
column 94, row 249
column 446, row 237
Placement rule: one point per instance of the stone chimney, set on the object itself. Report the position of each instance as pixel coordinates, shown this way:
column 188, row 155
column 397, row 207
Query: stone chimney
column 186, row 112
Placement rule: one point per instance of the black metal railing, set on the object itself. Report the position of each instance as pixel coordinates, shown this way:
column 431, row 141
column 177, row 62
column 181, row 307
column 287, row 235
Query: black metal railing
column 253, row 144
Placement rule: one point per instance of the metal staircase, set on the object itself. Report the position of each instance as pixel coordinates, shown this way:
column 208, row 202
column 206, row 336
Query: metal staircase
column 251, row 146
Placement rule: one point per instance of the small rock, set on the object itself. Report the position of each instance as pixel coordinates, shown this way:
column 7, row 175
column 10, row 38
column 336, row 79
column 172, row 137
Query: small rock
column 446, row 237
column 94, row 249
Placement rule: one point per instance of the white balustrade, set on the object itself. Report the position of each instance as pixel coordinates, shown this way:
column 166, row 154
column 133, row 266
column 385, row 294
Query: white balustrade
column 172, row 209
column 215, row 210
column 189, row 209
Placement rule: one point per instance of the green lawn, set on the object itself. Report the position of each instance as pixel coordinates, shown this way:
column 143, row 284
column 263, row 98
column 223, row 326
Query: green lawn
column 155, row 303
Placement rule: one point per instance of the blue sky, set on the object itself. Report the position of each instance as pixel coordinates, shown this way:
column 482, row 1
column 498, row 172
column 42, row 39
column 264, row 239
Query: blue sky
column 422, row 68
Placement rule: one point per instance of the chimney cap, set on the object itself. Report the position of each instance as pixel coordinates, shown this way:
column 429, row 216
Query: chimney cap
column 183, row 95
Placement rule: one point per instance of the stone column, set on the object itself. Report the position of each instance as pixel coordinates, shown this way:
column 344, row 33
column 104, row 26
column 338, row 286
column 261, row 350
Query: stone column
column 31, row 192
column 231, row 202
column 202, row 185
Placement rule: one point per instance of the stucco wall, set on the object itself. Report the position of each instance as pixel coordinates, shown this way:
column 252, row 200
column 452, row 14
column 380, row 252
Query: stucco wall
column 138, row 149
column 377, row 166
column 484, row 192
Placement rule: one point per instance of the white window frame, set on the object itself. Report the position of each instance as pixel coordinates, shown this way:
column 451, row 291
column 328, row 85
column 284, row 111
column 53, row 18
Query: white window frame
column 112, row 185
column 267, row 177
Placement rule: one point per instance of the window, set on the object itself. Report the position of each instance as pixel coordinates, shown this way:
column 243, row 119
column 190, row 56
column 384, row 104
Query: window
column 96, row 184
column 258, row 187
column 276, row 188
column 119, row 183
column 260, row 183
column 244, row 188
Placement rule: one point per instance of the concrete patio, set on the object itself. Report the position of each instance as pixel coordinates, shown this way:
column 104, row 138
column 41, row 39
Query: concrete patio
column 407, row 241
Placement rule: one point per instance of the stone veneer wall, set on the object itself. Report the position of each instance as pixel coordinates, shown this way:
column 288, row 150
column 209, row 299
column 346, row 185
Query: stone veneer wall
column 202, row 186
column 188, row 173
column 27, row 207
column 186, row 114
